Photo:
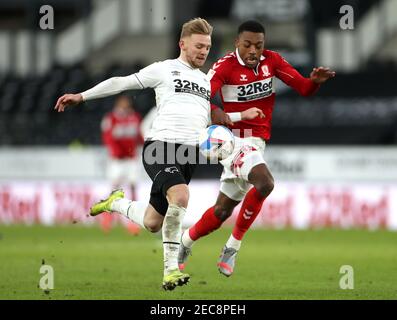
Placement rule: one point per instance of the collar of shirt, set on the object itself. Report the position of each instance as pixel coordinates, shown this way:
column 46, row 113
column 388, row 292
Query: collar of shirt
column 185, row 63
column 241, row 60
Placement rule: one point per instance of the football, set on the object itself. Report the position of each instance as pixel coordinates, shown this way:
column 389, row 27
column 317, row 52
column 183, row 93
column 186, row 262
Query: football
column 216, row 142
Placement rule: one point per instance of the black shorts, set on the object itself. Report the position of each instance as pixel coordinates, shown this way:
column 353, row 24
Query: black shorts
column 160, row 160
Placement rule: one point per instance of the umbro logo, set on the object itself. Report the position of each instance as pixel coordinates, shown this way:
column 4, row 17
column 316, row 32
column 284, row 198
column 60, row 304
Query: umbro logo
column 243, row 77
column 175, row 73
column 247, row 214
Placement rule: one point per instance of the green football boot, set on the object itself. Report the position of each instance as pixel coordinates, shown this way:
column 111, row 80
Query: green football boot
column 105, row 205
column 175, row 278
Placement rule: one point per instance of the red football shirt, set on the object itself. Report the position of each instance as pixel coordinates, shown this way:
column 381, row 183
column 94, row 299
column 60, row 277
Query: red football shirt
column 121, row 134
column 243, row 88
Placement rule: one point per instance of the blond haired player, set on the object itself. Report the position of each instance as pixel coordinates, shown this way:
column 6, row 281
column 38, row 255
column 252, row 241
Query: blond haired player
column 183, row 110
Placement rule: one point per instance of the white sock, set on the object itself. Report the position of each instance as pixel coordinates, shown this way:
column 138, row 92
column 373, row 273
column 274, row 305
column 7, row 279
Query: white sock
column 133, row 210
column 172, row 229
column 186, row 240
column 233, row 243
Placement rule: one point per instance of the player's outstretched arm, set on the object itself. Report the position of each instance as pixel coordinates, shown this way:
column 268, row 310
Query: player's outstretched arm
column 104, row 89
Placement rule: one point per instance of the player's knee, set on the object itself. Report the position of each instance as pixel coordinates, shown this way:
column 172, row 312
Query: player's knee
column 178, row 196
column 265, row 187
column 152, row 225
column 222, row 213
column 180, row 200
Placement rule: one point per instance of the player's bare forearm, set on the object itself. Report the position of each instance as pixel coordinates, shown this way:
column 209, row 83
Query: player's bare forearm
column 218, row 116
column 252, row 113
column 68, row 100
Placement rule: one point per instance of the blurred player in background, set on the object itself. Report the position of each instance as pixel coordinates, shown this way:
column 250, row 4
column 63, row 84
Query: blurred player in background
column 122, row 137
column 245, row 80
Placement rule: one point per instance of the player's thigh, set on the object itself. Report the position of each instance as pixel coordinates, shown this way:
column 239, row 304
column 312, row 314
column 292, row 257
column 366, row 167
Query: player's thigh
column 235, row 189
column 159, row 202
column 235, row 181
column 170, row 179
column 178, row 195
column 171, row 187
column 162, row 174
column 245, row 161
column 233, row 186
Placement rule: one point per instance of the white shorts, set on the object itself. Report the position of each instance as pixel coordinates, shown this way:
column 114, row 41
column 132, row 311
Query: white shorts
column 122, row 171
column 247, row 153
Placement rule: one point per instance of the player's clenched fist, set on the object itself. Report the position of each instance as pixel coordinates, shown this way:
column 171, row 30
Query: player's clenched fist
column 320, row 75
column 252, row 113
column 218, row 116
column 68, row 100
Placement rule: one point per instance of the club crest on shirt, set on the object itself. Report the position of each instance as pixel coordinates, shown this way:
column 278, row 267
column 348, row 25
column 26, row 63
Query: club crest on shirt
column 265, row 71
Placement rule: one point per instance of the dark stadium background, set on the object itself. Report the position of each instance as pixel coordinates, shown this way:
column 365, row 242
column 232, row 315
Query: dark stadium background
column 27, row 97
column 333, row 155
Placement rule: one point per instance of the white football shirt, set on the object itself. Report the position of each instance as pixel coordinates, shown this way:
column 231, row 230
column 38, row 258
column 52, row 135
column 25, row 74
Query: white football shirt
column 182, row 100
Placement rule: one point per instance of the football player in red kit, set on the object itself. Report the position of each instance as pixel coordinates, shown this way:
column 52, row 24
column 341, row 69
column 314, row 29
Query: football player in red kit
column 122, row 136
column 245, row 79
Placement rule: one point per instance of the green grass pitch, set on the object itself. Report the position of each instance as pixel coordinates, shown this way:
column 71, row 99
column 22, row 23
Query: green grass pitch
column 285, row 264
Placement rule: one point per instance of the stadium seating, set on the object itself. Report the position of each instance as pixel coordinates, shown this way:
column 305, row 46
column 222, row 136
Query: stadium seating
column 338, row 114
column 26, row 106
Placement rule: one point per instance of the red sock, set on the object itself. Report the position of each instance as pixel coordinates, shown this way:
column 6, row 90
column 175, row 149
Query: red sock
column 209, row 222
column 250, row 208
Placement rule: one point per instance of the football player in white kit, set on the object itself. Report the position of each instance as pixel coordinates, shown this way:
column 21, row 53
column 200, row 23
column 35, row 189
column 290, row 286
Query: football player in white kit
column 183, row 110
